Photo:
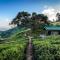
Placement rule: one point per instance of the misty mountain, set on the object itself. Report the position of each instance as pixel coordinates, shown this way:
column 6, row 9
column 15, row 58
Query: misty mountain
column 8, row 33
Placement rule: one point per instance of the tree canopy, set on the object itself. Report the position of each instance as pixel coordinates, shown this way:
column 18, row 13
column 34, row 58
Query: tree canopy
column 26, row 19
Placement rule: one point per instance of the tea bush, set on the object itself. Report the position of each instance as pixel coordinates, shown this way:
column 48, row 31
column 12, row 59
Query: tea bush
column 47, row 49
column 13, row 49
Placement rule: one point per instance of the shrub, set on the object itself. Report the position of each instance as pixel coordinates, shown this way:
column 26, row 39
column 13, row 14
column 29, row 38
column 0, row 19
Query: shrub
column 47, row 49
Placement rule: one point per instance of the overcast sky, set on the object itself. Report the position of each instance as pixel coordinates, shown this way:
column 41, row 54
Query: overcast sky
column 9, row 9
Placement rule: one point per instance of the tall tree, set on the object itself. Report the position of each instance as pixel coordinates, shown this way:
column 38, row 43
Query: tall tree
column 38, row 19
column 33, row 21
column 33, row 18
column 22, row 18
column 58, row 16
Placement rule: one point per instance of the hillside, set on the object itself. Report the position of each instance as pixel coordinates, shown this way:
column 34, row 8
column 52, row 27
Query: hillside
column 8, row 33
column 47, row 48
column 19, row 46
column 13, row 47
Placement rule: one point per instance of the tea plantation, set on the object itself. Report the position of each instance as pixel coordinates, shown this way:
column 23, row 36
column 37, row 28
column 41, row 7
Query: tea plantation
column 47, row 48
column 13, row 48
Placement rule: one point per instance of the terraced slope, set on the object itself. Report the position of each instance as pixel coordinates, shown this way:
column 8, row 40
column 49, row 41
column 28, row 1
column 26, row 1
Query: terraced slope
column 14, row 47
column 47, row 49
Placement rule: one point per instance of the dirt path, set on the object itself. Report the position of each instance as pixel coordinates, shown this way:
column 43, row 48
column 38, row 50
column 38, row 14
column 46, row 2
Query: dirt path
column 29, row 52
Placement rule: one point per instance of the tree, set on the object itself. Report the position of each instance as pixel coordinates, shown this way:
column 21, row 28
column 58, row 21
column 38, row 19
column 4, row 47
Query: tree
column 33, row 21
column 37, row 20
column 21, row 19
column 58, row 16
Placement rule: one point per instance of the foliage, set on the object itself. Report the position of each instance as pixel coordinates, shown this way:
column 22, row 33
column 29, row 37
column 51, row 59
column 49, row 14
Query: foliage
column 22, row 19
column 13, row 49
column 58, row 16
column 32, row 21
column 47, row 49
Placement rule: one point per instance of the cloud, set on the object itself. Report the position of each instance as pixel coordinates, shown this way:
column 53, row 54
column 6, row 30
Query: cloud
column 51, row 13
column 4, row 24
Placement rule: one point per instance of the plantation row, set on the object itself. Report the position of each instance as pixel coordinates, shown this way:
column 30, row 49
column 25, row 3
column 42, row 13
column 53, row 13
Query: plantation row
column 14, row 48
column 43, row 49
column 47, row 49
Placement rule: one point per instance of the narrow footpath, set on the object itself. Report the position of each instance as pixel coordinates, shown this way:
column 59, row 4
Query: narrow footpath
column 29, row 51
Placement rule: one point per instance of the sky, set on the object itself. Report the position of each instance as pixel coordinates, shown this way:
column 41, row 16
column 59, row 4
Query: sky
column 9, row 9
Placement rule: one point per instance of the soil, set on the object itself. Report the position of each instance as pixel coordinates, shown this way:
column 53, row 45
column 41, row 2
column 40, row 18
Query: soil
column 29, row 51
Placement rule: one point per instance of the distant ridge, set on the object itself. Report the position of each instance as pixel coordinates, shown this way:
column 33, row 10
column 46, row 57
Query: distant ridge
column 7, row 33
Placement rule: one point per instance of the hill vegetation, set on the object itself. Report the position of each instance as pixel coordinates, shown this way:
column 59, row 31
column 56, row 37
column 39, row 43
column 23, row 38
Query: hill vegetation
column 13, row 42
column 14, row 47
column 47, row 49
